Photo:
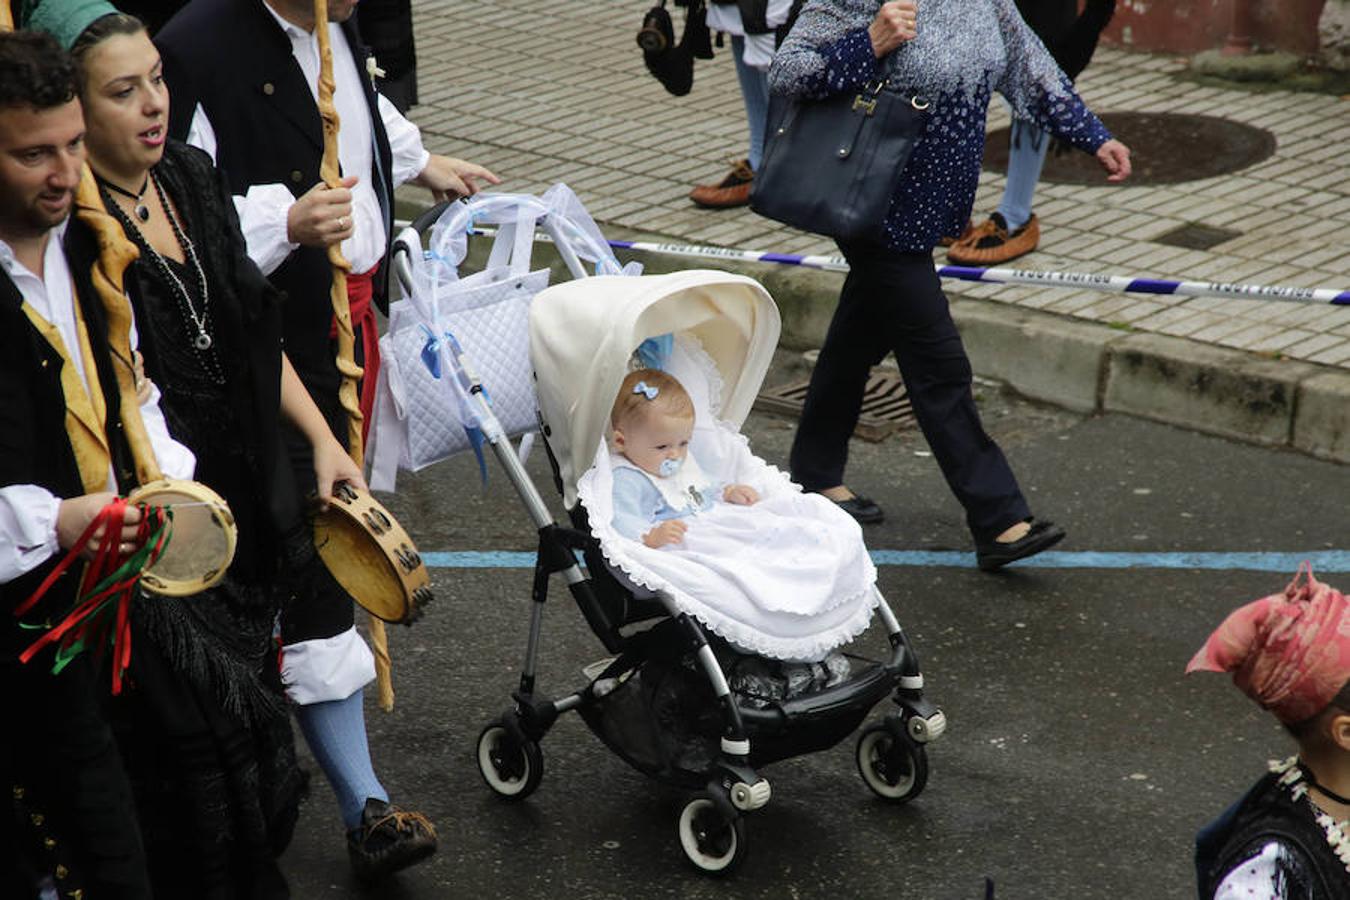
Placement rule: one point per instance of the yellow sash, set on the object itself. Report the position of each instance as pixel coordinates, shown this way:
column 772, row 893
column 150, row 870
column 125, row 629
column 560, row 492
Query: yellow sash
column 115, row 253
column 86, row 410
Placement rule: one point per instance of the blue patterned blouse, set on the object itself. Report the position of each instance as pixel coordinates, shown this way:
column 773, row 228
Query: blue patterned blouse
column 965, row 50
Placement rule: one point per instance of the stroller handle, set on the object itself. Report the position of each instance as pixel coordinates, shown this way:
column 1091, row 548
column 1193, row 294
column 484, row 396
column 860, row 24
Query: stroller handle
column 409, row 241
column 429, row 218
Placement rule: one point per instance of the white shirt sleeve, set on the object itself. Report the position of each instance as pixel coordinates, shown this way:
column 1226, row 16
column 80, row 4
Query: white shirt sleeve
column 28, row 512
column 262, row 219
column 175, row 460
column 262, row 211
column 201, row 134
column 27, row 529
column 405, row 144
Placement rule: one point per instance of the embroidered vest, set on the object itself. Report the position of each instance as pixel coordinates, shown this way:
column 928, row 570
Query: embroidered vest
column 1267, row 813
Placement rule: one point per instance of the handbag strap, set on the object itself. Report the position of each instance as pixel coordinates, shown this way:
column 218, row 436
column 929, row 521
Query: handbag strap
column 513, row 246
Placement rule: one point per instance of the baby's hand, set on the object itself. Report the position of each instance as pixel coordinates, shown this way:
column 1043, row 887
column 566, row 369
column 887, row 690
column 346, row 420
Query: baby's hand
column 741, row 495
column 669, row 532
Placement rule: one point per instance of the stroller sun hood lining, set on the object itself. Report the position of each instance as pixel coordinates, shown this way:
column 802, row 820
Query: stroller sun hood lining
column 583, row 333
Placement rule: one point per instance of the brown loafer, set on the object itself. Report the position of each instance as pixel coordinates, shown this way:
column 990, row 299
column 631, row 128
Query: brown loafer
column 991, row 243
column 734, row 190
column 966, row 232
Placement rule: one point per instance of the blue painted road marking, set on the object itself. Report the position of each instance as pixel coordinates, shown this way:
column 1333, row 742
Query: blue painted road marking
column 1322, row 560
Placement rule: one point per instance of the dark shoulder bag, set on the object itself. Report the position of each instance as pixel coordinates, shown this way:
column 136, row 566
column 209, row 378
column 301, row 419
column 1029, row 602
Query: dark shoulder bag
column 831, row 166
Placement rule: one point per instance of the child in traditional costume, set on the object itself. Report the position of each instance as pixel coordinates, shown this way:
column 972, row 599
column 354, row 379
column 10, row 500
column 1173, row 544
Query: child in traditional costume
column 1289, row 837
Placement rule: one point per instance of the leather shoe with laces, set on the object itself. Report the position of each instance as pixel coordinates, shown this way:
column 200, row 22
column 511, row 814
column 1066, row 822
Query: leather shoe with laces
column 388, row 839
column 991, row 554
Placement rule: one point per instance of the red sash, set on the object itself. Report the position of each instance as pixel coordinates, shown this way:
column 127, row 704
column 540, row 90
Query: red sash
column 360, row 292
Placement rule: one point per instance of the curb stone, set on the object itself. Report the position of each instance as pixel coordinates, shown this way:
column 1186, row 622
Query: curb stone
column 1082, row 366
column 1322, row 423
column 1213, row 389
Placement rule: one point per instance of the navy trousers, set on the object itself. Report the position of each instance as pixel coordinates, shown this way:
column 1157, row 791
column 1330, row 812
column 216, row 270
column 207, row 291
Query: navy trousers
column 893, row 302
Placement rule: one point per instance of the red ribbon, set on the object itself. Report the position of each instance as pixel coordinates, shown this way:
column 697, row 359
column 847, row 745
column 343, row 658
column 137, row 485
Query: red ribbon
column 106, row 588
column 360, row 294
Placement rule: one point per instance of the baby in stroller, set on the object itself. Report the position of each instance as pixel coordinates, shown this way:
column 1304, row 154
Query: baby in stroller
column 694, row 515
column 652, row 422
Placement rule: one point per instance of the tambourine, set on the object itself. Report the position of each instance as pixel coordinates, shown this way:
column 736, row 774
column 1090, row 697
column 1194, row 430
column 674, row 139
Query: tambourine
column 201, row 544
column 371, row 556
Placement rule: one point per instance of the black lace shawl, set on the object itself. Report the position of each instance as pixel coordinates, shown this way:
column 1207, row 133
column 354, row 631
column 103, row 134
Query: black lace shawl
column 234, row 428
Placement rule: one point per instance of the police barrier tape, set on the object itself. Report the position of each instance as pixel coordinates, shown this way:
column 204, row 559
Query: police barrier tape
column 1092, row 281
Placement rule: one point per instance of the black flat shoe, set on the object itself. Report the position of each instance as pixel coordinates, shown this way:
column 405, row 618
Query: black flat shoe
column 991, row 555
column 862, row 509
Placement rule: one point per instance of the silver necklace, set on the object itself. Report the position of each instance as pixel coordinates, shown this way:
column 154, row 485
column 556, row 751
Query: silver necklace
column 202, row 341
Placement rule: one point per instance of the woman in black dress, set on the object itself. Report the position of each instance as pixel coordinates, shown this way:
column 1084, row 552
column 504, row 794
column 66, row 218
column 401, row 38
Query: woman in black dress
column 204, row 730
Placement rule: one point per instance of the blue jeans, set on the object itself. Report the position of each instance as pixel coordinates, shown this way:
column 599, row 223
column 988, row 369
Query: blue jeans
column 755, row 94
column 1026, row 156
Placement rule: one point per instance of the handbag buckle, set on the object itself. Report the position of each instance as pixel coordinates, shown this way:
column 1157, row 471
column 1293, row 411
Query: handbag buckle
column 868, row 104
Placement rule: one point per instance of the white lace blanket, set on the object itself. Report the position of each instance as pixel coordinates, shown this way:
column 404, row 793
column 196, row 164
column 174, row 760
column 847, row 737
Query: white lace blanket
column 788, row 577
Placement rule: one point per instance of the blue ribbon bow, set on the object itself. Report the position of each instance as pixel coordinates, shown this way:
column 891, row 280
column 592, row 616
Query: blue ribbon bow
column 646, row 390
column 431, row 358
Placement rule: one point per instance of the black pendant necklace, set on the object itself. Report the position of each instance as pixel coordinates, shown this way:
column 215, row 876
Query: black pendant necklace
column 142, row 211
column 1313, row 782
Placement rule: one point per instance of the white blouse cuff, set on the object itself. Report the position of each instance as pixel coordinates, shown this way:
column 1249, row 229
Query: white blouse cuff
column 28, row 516
column 262, row 219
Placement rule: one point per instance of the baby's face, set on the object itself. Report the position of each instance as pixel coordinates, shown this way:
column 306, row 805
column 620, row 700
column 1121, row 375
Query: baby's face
column 653, row 439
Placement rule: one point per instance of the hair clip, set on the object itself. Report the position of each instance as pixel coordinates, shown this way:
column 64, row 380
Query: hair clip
column 649, row 392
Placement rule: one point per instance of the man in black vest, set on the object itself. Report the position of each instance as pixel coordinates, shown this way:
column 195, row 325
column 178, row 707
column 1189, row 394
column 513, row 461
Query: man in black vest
column 242, row 76
column 62, row 455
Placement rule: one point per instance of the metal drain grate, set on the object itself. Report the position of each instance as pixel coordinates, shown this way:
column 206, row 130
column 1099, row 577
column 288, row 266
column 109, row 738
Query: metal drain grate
column 1194, row 236
column 885, row 406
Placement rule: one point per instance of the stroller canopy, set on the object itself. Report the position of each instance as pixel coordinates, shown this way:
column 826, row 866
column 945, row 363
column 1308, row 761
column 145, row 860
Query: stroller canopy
column 583, row 333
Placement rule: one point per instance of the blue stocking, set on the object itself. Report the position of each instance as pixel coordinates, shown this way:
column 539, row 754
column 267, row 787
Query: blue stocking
column 1026, row 156
column 336, row 733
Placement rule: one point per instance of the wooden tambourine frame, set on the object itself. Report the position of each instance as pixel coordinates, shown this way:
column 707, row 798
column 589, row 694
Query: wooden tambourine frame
column 201, row 542
column 371, row 556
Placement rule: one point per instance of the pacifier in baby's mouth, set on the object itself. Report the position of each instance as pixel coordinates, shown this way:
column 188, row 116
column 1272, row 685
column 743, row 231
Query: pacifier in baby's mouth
column 669, row 467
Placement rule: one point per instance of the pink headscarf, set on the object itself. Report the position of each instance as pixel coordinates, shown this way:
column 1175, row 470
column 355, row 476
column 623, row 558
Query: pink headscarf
column 1289, row 652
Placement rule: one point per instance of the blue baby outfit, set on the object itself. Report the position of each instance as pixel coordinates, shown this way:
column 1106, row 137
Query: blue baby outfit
column 639, row 504
column 965, row 50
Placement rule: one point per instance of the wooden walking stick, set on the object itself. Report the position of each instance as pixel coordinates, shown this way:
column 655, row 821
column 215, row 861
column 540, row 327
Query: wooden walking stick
column 329, row 171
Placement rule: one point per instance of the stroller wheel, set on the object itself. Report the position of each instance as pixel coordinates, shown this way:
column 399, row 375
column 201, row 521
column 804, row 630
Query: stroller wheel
column 710, row 840
column 512, row 767
column 894, row 767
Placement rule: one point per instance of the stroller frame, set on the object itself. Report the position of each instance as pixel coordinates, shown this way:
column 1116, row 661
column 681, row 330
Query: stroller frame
column 891, row 755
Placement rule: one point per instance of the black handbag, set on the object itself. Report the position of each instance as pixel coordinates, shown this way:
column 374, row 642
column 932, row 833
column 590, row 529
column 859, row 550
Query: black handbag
column 831, row 166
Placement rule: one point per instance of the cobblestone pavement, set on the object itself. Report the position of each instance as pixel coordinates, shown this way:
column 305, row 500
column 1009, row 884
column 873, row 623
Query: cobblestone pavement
column 558, row 92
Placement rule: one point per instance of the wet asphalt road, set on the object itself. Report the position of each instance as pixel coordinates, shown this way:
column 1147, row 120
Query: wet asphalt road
column 1078, row 762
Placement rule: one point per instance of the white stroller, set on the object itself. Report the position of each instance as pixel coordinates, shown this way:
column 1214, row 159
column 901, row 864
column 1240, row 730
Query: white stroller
column 663, row 701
